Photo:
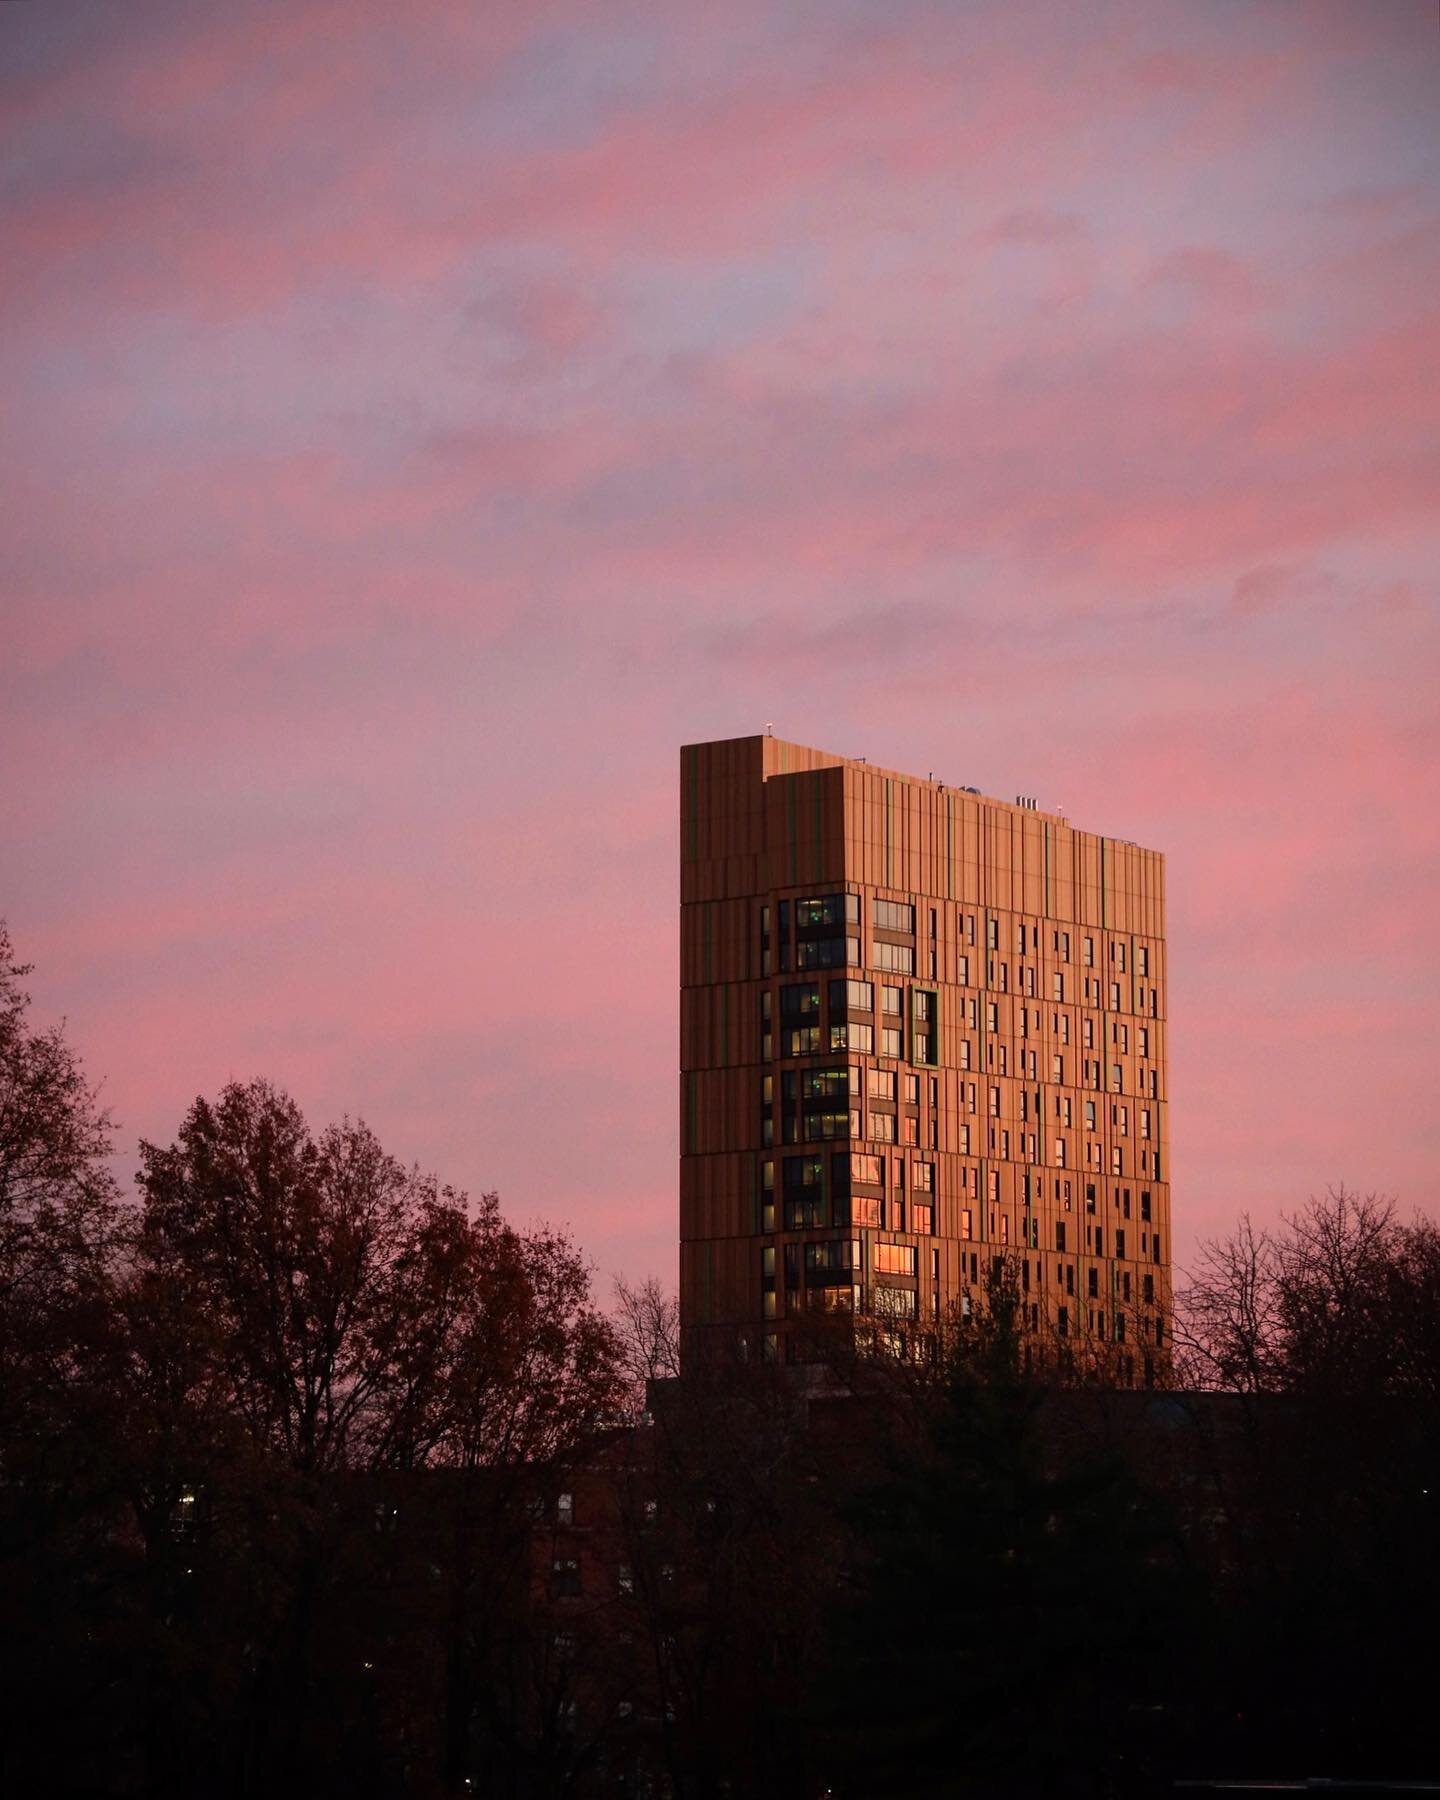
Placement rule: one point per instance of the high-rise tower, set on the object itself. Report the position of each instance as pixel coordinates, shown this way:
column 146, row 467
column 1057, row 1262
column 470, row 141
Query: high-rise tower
column 920, row 1030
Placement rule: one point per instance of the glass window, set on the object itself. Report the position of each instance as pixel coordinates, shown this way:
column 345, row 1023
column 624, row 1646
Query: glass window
column 896, row 959
column 826, row 953
column 882, row 1127
column 803, row 1041
column 821, row 1127
column 894, row 1303
column 881, row 1084
column 893, row 915
column 830, row 1084
column 800, row 1001
column 830, row 911
column 853, row 1037
column 851, row 997
column 834, row 1253
column 895, row 1259
column 892, row 1042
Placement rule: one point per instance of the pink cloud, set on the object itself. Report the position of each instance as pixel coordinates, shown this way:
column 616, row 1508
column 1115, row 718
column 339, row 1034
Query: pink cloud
column 418, row 429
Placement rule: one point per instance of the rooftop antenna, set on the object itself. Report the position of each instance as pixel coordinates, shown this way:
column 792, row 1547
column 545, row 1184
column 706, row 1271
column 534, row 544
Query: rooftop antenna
column 769, row 729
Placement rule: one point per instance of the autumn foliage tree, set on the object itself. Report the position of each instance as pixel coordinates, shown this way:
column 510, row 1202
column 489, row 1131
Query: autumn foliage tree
column 267, row 1439
column 351, row 1324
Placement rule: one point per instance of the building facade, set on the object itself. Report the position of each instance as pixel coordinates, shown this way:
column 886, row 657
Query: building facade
column 922, row 1034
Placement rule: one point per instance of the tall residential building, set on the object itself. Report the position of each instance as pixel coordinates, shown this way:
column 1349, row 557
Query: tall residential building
column 920, row 1030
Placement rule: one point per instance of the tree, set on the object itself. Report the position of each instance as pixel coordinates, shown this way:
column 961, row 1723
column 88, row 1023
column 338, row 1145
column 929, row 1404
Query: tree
column 59, row 1217
column 1011, row 1589
column 647, row 1319
column 58, row 1199
column 1316, row 1350
column 352, row 1375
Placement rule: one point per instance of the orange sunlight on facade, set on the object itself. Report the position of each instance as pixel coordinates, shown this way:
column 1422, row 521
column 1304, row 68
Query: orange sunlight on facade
column 921, row 1030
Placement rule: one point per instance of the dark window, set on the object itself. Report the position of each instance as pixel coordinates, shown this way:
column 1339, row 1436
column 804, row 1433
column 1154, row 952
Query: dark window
column 834, row 1254
column 829, row 1084
column 827, row 912
column 826, row 953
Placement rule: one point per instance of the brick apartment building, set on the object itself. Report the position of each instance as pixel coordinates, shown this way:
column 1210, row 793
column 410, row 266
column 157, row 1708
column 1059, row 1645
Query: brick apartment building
column 920, row 1030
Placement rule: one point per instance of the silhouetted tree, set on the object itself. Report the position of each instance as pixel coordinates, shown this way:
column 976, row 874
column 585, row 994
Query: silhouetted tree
column 1312, row 1353
column 1010, row 1593
column 59, row 1217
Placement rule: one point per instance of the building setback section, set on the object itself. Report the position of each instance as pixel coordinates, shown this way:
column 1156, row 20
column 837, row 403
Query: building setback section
column 920, row 1028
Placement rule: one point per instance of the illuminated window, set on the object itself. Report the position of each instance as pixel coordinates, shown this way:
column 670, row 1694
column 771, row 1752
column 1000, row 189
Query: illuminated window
column 895, row 1259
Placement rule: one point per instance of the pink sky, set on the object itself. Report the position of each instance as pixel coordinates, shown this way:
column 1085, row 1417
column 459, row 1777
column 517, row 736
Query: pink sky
column 422, row 420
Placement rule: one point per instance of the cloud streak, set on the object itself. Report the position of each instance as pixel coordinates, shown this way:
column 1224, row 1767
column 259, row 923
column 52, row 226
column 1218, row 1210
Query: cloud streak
column 418, row 428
